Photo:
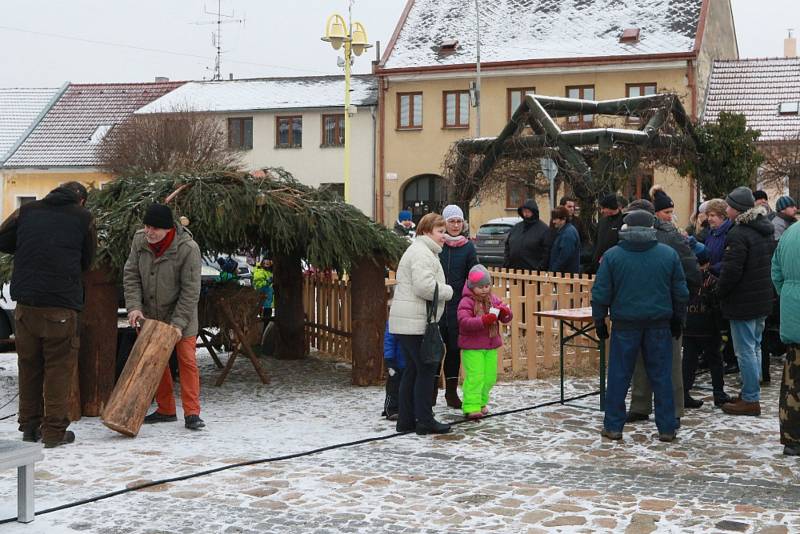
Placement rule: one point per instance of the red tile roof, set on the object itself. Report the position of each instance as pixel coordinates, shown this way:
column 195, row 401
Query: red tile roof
column 756, row 88
column 61, row 139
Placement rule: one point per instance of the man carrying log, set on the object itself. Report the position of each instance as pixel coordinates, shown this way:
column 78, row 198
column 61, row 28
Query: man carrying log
column 53, row 241
column 162, row 282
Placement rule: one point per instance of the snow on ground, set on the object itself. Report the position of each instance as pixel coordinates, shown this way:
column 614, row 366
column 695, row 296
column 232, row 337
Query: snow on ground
column 544, row 470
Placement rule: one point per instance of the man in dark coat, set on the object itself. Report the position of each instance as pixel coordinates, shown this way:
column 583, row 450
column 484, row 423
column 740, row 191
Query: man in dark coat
column 527, row 246
column 607, row 229
column 745, row 291
column 53, row 241
column 666, row 233
column 641, row 283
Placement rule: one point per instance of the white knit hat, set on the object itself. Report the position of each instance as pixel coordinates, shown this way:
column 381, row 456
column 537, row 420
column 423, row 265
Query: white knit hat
column 452, row 211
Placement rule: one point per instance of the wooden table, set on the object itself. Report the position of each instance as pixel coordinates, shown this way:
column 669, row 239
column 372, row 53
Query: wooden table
column 582, row 325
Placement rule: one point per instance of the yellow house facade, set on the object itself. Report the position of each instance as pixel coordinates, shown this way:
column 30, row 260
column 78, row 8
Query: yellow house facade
column 425, row 97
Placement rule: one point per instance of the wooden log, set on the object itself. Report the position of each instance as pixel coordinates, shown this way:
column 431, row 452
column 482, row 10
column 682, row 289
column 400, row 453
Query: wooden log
column 290, row 316
column 98, row 350
column 368, row 294
column 138, row 382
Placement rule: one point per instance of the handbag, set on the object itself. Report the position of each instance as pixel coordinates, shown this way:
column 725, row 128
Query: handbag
column 432, row 350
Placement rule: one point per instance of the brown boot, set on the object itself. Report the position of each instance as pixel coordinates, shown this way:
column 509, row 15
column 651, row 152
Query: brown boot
column 451, row 393
column 742, row 407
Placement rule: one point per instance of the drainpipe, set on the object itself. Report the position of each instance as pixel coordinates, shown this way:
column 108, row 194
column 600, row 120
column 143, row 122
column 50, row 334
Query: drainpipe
column 374, row 157
column 381, row 144
column 694, row 192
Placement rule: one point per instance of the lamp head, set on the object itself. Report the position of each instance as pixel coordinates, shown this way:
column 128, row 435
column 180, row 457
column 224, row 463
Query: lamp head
column 335, row 31
column 359, row 41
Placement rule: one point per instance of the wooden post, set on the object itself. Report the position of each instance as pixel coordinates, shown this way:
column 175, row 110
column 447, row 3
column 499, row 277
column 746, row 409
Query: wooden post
column 139, row 380
column 290, row 317
column 98, row 350
column 368, row 295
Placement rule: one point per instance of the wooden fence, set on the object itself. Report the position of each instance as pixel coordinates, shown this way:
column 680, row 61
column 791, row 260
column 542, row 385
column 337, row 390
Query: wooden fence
column 531, row 348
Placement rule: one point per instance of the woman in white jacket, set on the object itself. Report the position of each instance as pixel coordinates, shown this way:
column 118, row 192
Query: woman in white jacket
column 418, row 275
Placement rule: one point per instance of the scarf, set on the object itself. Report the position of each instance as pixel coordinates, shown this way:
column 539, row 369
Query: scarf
column 161, row 247
column 457, row 241
column 482, row 306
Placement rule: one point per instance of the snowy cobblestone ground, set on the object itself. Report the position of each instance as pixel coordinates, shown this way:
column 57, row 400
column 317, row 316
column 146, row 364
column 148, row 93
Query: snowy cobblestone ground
column 545, row 470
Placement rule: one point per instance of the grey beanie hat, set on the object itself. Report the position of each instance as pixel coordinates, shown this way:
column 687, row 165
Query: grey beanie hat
column 741, row 199
column 640, row 218
column 641, row 204
column 478, row 276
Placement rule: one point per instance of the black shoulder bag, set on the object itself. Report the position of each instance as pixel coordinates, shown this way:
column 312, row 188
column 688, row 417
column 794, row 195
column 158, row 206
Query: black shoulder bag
column 432, row 350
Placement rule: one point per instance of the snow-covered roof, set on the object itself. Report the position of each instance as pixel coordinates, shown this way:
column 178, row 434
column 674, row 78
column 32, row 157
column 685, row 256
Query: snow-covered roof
column 520, row 30
column 267, row 94
column 756, row 88
column 19, row 108
column 68, row 134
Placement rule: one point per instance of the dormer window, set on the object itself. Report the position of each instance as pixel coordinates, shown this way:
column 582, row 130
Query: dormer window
column 789, row 108
column 448, row 47
column 99, row 133
column 629, row 35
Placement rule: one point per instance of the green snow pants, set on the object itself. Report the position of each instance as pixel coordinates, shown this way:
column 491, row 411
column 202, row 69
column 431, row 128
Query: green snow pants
column 480, row 374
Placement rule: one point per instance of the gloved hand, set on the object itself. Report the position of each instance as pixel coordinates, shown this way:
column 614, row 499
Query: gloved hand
column 676, row 327
column 505, row 312
column 602, row 329
column 488, row 319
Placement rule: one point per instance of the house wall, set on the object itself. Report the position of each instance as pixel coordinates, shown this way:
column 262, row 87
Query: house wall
column 719, row 42
column 409, row 153
column 314, row 164
column 38, row 182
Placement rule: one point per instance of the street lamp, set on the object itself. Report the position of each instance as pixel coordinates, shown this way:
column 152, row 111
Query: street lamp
column 353, row 37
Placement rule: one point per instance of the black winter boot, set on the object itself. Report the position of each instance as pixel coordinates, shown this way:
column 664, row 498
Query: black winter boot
column 69, row 437
column 451, row 393
column 432, row 427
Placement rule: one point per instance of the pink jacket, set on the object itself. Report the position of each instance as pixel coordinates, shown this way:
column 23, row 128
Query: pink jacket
column 472, row 334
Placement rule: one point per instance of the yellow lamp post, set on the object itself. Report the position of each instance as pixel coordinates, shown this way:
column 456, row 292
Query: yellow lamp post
column 353, row 37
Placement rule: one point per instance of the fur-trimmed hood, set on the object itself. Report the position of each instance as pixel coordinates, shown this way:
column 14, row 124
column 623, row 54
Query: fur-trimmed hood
column 757, row 219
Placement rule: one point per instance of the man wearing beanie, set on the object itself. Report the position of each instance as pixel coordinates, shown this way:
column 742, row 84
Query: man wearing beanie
column 785, row 215
column 607, row 228
column 404, row 226
column 745, row 292
column 666, row 233
column 761, row 199
column 162, row 282
column 527, row 246
column 53, row 242
column 641, row 282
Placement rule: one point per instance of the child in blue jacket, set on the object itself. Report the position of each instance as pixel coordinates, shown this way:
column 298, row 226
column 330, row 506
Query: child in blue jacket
column 395, row 362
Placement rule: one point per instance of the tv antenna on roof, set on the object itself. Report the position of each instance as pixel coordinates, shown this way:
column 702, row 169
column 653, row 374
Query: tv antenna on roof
column 216, row 36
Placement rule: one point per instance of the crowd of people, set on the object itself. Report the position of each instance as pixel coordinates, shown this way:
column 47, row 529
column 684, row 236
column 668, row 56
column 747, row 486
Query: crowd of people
column 708, row 295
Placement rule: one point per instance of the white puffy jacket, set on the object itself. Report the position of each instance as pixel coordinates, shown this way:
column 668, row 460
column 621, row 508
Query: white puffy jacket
column 417, row 275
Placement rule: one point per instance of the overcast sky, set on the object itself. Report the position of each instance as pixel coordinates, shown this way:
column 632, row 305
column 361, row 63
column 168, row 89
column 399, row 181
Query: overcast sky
column 44, row 43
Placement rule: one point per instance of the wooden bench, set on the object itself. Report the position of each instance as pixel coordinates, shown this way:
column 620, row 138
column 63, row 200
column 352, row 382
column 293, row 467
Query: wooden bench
column 22, row 456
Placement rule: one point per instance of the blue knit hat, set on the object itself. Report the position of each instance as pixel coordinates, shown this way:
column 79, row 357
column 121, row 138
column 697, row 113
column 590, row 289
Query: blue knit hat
column 405, row 215
column 784, row 202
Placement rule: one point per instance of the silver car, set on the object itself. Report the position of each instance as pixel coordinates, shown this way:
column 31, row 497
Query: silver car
column 490, row 243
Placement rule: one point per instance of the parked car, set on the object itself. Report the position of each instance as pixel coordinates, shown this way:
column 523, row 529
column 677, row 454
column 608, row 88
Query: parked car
column 490, row 243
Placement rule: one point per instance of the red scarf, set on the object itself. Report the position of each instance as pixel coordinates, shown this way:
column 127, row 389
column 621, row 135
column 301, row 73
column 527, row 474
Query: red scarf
column 162, row 246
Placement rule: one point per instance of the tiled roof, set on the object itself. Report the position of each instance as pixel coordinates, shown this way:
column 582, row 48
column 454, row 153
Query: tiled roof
column 756, row 88
column 516, row 30
column 62, row 137
column 267, row 94
column 19, row 107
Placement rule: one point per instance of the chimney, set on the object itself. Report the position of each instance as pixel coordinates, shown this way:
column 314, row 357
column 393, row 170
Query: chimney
column 161, row 79
column 790, row 46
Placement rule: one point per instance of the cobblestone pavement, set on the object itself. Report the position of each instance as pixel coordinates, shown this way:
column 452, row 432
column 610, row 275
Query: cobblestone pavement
column 543, row 470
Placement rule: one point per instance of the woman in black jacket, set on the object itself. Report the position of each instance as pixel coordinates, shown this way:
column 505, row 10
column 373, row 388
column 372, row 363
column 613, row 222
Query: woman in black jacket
column 458, row 256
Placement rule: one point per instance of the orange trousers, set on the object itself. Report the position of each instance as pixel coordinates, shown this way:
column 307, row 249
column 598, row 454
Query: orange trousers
column 190, row 381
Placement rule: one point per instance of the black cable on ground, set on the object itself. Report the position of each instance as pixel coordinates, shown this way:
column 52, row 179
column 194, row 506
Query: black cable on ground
column 9, row 416
column 281, row 458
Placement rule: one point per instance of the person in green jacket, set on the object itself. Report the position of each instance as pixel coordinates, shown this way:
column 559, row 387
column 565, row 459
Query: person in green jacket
column 262, row 282
column 786, row 278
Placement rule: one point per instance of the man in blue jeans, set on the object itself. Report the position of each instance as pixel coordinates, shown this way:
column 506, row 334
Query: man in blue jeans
column 745, row 292
column 642, row 282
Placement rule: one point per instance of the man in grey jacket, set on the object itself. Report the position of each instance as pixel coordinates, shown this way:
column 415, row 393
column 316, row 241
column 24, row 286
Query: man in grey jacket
column 162, row 282
column 666, row 233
